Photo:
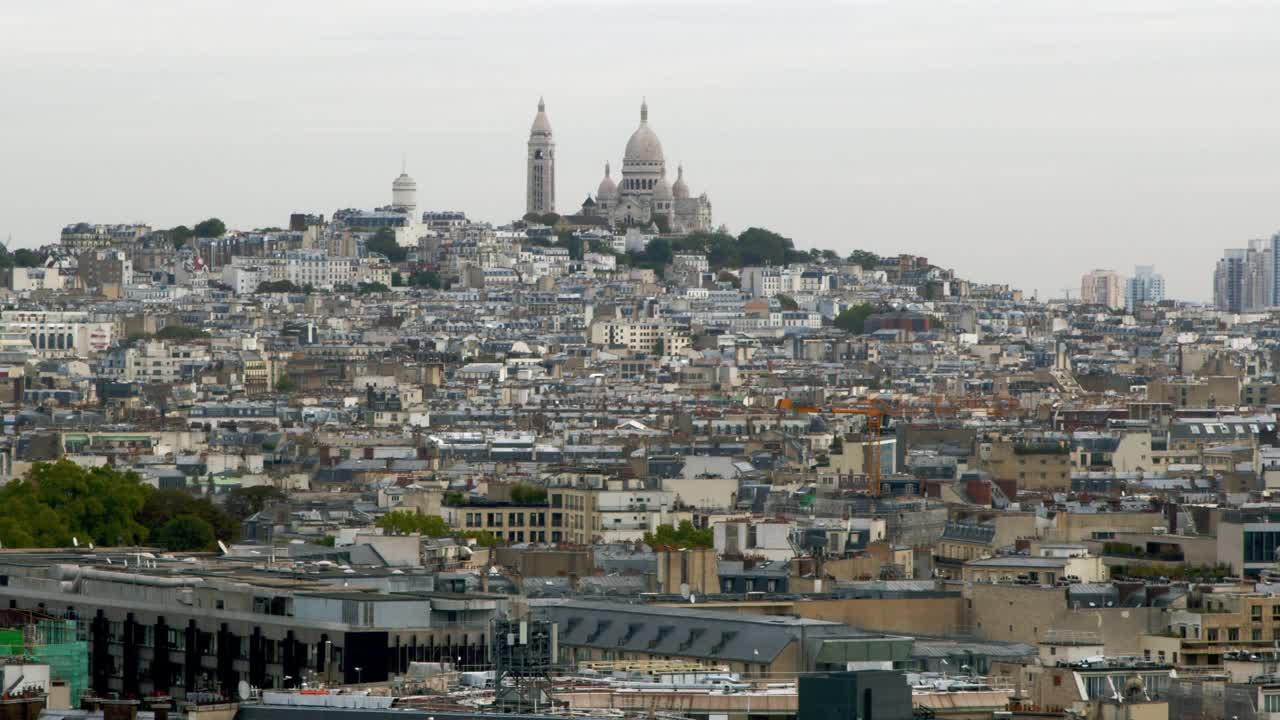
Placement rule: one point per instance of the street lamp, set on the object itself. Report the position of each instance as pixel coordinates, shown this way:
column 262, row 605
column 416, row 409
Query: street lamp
column 358, row 669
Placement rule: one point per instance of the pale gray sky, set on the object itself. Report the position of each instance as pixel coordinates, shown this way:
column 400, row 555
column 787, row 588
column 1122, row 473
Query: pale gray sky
column 1023, row 141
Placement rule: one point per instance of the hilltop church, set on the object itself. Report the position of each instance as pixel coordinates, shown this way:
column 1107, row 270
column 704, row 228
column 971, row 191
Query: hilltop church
column 643, row 197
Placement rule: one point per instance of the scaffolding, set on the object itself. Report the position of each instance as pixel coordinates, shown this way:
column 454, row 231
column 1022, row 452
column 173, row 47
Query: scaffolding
column 57, row 643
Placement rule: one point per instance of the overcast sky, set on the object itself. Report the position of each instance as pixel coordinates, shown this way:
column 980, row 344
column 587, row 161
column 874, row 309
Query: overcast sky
column 1023, row 142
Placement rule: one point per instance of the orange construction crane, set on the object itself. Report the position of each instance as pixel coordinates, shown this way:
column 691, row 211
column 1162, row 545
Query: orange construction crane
column 870, row 446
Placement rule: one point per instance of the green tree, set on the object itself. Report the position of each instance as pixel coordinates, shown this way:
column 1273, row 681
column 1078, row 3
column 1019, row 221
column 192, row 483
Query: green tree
column 403, row 522
column 279, row 286
column 370, row 288
column 454, row 498
column 725, row 276
column 181, row 332
column 573, row 244
column 864, row 259
column 211, row 228
column 426, row 278
column 658, row 251
column 483, row 538
column 384, row 243
column 24, row 257
column 179, row 235
column 244, row 502
column 58, row 501
column 683, row 536
column 185, row 533
column 764, row 247
column 285, row 385
column 526, row 494
column 161, row 506
column 854, row 319
column 787, row 302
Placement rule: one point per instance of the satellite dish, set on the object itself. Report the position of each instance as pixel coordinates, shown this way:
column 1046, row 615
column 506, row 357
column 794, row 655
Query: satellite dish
column 109, row 562
column 684, row 590
column 90, row 545
column 243, row 691
column 223, row 547
column 75, row 541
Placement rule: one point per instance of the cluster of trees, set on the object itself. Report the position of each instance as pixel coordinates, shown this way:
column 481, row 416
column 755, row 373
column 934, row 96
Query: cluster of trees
column 417, row 278
column 211, row 228
column 685, row 535
column 384, row 243
column 752, row 247
column 283, row 286
column 526, row 494
column 22, row 257
column 404, row 522
column 366, row 288
column 171, row 332
column 548, row 219
column 181, row 332
column 59, row 501
column 1175, row 571
column 854, row 320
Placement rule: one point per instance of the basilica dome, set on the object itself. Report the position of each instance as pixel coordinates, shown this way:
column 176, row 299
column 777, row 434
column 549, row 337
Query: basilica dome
column 644, row 148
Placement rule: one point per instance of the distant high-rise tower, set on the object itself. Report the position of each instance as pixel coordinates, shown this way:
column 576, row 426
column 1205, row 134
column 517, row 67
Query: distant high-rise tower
column 404, row 193
column 1146, row 287
column 1102, row 287
column 540, row 193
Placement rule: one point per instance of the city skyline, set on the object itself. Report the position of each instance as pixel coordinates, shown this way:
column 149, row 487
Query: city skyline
column 1024, row 145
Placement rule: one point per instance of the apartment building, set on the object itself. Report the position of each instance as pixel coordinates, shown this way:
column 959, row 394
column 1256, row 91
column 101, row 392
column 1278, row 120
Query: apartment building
column 512, row 522
column 1102, row 287
column 158, row 362
column 647, row 336
column 606, row 514
column 56, row 334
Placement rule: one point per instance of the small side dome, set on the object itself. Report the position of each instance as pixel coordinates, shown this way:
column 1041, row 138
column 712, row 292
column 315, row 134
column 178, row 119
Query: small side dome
column 680, row 190
column 662, row 190
column 608, row 188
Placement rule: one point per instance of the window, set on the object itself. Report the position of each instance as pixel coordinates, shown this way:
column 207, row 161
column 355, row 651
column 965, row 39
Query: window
column 1256, row 634
column 1271, row 703
column 1233, row 634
